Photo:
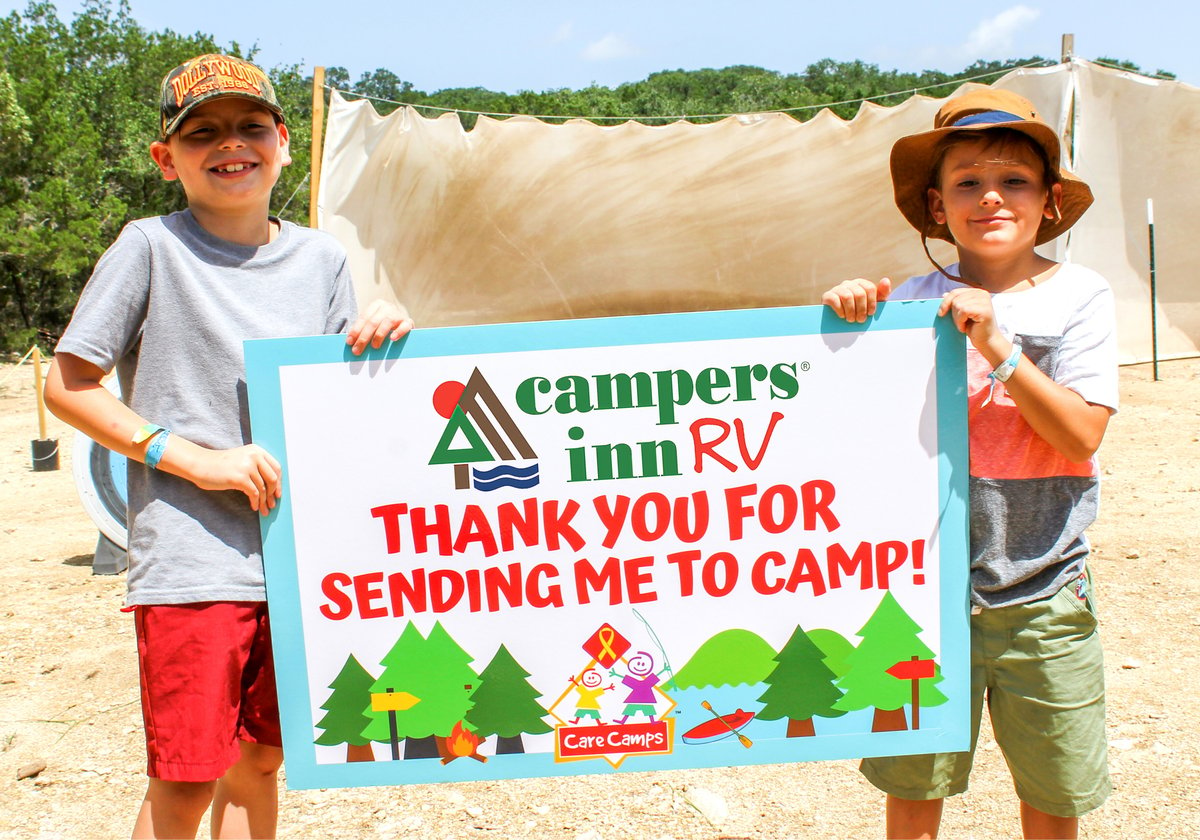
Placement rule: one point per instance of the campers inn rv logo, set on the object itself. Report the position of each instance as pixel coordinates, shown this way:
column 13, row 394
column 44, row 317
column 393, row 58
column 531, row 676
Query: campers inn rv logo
column 480, row 430
column 473, row 412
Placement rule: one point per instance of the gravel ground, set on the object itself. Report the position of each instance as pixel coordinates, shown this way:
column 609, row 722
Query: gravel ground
column 69, row 696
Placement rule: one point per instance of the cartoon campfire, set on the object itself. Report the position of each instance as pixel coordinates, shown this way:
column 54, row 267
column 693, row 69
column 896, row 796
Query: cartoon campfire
column 460, row 743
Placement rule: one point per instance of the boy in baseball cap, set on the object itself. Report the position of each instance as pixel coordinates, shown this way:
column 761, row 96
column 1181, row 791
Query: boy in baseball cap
column 168, row 306
column 1042, row 384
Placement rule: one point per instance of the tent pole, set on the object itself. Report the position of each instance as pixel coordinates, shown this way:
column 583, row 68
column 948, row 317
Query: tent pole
column 1153, row 289
column 1062, row 249
column 318, row 122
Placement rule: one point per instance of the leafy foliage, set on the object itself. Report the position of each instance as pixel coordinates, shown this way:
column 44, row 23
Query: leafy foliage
column 78, row 110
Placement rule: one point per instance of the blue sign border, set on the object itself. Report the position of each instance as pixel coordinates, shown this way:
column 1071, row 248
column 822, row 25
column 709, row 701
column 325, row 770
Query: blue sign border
column 945, row 728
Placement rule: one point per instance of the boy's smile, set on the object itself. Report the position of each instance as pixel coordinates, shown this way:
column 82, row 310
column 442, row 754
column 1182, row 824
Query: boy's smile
column 992, row 199
column 228, row 154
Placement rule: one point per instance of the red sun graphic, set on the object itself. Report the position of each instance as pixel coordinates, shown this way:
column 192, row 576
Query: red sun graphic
column 446, row 397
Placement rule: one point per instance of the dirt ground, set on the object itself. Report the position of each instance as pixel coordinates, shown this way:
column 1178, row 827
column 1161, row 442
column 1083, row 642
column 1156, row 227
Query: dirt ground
column 69, row 695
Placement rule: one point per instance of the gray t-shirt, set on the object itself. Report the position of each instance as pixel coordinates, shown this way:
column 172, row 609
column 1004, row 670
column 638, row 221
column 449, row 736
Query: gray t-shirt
column 169, row 306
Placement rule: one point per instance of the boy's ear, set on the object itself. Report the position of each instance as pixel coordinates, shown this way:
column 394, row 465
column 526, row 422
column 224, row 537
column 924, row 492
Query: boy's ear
column 937, row 209
column 161, row 153
column 1053, row 208
column 286, row 145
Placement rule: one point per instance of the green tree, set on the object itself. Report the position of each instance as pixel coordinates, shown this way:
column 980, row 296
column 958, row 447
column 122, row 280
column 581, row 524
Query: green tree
column 344, row 722
column 889, row 636
column 505, row 704
column 77, row 168
column 79, row 107
column 437, row 672
column 800, row 687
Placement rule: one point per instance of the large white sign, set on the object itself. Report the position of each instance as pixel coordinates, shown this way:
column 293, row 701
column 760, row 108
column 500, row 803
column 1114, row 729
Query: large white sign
column 617, row 544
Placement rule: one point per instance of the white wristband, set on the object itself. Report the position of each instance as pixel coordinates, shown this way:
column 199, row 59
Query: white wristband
column 1003, row 371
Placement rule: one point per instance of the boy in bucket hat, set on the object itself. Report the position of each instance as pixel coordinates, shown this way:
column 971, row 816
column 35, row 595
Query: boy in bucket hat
column 1042, row 384
column 169, row 305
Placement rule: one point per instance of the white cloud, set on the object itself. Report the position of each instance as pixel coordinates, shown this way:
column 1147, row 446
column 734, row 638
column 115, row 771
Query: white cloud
column 609, row 48
column 563, row 33
column 994, row 37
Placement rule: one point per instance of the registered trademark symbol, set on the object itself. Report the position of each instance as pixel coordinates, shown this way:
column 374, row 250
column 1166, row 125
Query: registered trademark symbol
column 805, row 366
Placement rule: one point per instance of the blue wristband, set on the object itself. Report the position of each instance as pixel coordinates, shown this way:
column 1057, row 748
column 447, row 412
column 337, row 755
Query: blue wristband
column 157, row 447
column 157, row 436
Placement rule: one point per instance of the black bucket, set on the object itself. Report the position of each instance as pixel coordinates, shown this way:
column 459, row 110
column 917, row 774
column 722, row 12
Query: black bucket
column 45, row 455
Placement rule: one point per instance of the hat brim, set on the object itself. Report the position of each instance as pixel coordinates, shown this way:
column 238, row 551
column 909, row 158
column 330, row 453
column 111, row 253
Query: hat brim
column 171, row 127
column 912, row 164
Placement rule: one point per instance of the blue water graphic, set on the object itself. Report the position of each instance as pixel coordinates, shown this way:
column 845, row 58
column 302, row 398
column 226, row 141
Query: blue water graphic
column 505, row 475
column 507, row 469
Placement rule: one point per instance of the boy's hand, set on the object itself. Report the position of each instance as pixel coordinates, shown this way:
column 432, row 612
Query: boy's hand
column 249, row 469
column 381, row 320
column 855, row 300
column 972, row 312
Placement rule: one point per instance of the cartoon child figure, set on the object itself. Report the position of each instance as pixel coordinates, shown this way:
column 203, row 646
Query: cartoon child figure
column 589, row 690
column 641, row 680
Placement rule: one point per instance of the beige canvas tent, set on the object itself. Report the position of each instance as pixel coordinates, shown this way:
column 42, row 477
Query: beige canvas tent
column 524, row 220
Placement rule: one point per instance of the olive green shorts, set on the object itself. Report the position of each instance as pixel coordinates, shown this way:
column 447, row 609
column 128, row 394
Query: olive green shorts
column 1041, row 669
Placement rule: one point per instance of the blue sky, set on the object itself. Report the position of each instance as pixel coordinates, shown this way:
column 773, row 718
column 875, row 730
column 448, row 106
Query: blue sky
column 543, row 45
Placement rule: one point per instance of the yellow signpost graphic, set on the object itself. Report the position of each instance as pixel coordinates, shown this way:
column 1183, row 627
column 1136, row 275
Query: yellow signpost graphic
column 393, row 701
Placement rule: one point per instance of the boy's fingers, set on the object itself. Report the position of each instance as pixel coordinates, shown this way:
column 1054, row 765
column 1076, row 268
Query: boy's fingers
column 253, row 494
column 834, row 302
column 381, row 332
column 860, row 303
column 402, row 329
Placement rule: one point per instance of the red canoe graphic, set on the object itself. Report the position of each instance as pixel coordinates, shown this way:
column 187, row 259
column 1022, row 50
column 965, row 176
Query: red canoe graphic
column 725, row 726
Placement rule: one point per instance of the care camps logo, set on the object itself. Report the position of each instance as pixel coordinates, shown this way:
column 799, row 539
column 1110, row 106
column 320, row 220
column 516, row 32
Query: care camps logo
column 473, row 412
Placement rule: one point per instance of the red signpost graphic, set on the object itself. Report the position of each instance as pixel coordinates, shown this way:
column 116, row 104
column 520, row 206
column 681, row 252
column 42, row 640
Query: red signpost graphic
column 915, row 669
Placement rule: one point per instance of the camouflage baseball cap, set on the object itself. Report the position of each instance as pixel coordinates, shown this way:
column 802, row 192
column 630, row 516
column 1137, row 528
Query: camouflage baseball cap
column 208, row 77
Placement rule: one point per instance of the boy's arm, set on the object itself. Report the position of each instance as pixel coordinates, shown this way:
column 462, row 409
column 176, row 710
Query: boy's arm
column 75, row 394
column 1060, row 416
column 381, row 320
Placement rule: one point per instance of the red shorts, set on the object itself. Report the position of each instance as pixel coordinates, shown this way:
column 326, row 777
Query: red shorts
column 208, row 682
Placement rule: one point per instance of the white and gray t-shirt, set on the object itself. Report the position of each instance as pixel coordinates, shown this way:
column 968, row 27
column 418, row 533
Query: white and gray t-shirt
column 1030, row 505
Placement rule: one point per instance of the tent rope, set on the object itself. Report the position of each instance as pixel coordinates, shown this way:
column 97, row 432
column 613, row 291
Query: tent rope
column 908, row 91
column 1111, row 66
column 284, row 208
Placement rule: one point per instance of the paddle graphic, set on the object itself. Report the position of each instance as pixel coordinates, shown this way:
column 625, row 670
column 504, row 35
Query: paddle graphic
column 746, row 742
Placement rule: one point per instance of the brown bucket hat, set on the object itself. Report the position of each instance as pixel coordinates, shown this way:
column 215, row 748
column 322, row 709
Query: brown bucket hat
column 979, row 110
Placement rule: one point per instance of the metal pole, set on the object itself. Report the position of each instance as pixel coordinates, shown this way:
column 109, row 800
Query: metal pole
column 1153, row 289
